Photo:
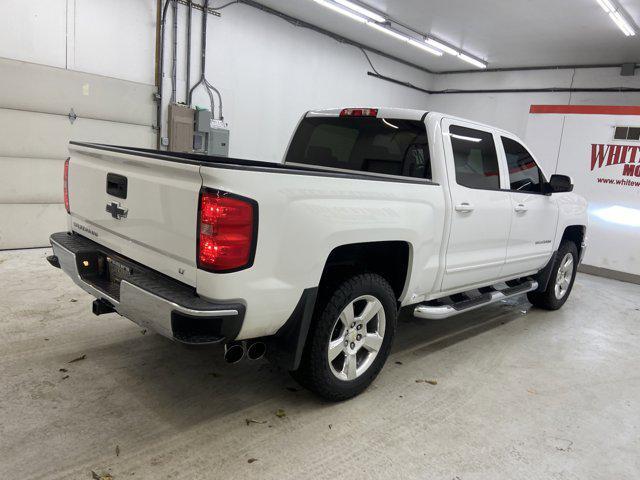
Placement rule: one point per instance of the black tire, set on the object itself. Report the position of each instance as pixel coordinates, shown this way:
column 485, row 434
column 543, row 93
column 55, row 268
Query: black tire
column 548, row 299
column 315, row 372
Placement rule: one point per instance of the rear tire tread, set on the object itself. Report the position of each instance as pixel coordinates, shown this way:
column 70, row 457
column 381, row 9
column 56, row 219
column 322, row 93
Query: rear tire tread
column 314, row 373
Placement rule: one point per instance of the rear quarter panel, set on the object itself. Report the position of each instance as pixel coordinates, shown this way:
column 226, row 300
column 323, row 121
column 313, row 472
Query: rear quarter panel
column 302, row 218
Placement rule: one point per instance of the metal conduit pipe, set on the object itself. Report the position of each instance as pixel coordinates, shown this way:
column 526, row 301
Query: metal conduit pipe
column 505, row 90
column 534, row 68
column 174, row 51
column 161, row 72
column 188, row 66
column 203, row 63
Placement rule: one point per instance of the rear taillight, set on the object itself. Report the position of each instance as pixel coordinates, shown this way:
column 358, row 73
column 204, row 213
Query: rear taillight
column 359, row 112
column 66, row 185
column 227, row 231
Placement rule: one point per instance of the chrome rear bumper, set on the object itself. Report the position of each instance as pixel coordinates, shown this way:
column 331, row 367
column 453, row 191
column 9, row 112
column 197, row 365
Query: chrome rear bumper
column 150, row 299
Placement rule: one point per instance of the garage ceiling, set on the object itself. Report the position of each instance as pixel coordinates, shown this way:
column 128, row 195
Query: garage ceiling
column 505, row 33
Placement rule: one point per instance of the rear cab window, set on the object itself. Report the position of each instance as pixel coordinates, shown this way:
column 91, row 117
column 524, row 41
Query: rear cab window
column 363, row 144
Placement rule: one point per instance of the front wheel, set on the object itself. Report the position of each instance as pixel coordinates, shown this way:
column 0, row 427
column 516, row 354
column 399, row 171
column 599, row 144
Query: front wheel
column 350, row 338
column 561, row 281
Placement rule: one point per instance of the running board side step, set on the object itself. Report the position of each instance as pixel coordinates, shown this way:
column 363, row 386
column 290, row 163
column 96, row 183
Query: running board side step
column 438, row 312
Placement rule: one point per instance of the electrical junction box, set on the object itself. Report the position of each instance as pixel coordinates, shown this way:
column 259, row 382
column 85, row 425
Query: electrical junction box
column 210, row 137
column 218, row 142
column 180, row 128
column 203, row 121
column 628, row 69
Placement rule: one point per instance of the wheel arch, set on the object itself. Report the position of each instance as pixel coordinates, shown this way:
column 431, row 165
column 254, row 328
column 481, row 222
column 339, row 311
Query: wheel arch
column 389, row 259
column 572, row 233
column 575, row 234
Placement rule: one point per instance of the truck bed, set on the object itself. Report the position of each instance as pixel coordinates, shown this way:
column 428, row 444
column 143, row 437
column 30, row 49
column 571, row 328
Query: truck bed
column 245, row 164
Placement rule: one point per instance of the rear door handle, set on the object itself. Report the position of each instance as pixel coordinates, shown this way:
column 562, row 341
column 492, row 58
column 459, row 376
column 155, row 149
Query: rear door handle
column 520, row 208
column 464, row 207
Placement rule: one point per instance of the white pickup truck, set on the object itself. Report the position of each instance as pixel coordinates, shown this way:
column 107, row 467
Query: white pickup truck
column 309, row 260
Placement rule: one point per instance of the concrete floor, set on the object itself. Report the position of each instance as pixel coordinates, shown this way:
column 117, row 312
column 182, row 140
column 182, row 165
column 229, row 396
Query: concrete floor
column 520, row 394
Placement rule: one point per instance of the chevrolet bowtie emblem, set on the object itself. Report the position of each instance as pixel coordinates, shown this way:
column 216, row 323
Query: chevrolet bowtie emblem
column 117, row 211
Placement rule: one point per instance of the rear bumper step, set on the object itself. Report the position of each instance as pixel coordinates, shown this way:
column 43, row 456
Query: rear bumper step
column 438, row 312
column 146, row 297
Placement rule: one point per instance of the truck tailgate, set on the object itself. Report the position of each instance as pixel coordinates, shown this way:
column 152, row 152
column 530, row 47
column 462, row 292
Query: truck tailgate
column 143, row 208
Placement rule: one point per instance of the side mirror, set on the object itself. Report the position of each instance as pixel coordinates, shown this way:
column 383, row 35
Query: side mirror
column 559, row 184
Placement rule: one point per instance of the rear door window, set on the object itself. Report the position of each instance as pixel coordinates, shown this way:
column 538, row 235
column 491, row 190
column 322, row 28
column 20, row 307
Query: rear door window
column 475, row 157
column 364, row 144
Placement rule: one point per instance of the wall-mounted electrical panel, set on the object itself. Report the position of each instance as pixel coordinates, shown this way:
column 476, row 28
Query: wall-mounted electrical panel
column 195, row 131
column 209, row 139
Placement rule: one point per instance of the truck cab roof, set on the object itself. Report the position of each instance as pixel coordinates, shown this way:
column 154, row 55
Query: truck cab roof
column 399, row 113
column 381, row 112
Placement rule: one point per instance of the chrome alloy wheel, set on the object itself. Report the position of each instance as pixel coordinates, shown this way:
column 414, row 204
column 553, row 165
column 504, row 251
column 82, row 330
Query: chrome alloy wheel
column 356, row 338
column 565, row 274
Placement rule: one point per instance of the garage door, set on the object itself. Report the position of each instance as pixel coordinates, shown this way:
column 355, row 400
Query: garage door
column 41, row 109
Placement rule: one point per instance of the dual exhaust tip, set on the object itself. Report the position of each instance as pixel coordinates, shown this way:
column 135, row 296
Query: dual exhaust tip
column 234, row 352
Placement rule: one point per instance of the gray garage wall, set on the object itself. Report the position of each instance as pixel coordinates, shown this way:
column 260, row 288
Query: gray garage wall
column 35, row 129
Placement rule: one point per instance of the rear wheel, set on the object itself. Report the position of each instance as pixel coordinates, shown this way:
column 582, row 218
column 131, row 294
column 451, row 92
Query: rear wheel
column 561, row 281
column 350, row 338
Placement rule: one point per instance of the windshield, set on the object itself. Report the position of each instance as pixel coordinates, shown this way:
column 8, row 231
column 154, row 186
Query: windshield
column 364, row 144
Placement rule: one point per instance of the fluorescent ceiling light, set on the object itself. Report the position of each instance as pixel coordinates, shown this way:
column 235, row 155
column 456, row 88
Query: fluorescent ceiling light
column 610, row 7
column 378, row 22
column 404, row 38
column 607, row 6
column 472, row 60
column 622, row 23
column 343, row 11
column 445, row 48
column 388, row 31
column 362, row 11
column 424, row 47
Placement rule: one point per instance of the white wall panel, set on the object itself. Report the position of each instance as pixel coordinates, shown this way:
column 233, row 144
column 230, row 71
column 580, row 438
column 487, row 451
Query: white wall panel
column 30, row 180
column 29, row 225
column 34, row 31
column 116, row 38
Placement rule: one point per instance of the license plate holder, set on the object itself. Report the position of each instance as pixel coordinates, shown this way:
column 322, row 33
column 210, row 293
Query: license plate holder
column 103, row 270
column 117, row 270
